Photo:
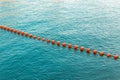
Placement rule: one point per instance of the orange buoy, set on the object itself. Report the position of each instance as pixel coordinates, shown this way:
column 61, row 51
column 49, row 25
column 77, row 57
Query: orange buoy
column 14, row 31
column 64, row 44
column 43, row 39
column 22, row 33
column 116, row 56
column 69, row 46
column 101, row 53
column 108, row 55
column 81, row 49
column 94, row 51
column 53, row 42
column 18, row 32
column 38, row 38
column 48, row 41
column 26, row 34
column 88, row 50
column 8, row 29
column 5, row 28
column 34, row 37
column 58, row 43
column 1, row 27
column 75, row 47
column 30, row 35
column 11, row 30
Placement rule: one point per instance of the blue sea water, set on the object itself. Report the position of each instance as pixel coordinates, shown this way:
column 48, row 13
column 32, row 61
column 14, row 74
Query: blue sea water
column 88, row 23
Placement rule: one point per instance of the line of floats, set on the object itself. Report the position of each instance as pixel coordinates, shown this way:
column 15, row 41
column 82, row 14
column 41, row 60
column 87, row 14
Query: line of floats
column 58, row 43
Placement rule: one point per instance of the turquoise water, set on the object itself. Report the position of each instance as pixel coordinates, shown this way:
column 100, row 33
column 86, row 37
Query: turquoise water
column 88, row 23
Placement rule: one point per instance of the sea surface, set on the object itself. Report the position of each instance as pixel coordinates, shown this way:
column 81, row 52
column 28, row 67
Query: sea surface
column 93, row 24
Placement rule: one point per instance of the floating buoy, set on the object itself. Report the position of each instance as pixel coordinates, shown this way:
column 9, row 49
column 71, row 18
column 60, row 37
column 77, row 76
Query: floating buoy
column 26, row 34
column 108, row 55
column 81, row 49
column 14, row 31
column 34, row 37
column 48, row 41
column 30, row 35
column 5, row 28
column 101, row 53
column 58, row 43
column 75, row 47
column 116, row 56
column 94, row 51
column 64, row 44
column 88, row 50
column 69, row 46
column 43, row 39
column 22, row 33
column 53, row 42
column 18, row 32
column 38, row 38
column 1, row 27
column 8, row 29
column 11, row 30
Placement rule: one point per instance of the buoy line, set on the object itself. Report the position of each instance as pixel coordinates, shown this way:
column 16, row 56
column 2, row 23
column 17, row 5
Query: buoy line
column 58, row 43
